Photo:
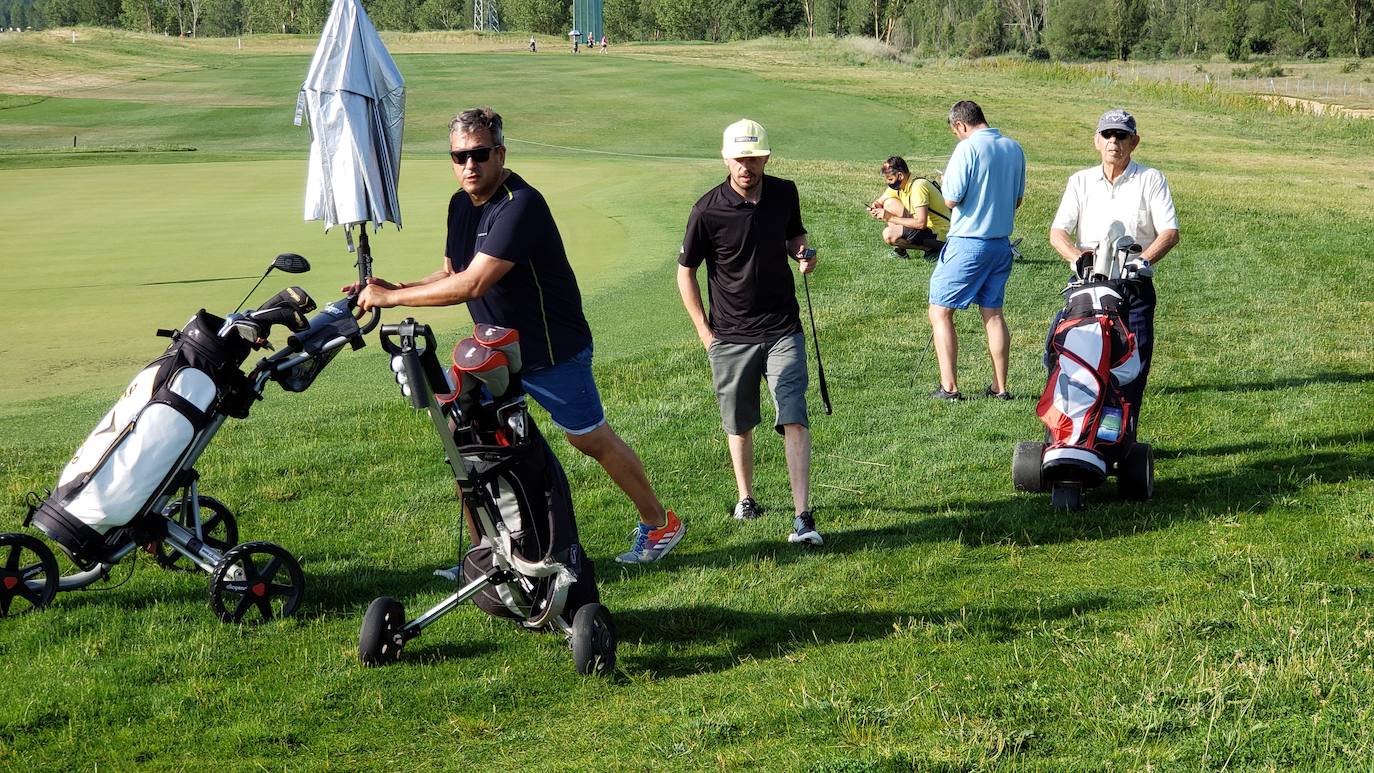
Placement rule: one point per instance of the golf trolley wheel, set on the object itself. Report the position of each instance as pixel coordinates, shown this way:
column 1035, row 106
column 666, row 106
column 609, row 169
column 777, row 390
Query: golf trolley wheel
column 1065, row 496
column 257, row 582
column 28, row 574
column 1027, row 461
column 219, row 530
column 380, row 640
column 593, row 640
column 1135, row 476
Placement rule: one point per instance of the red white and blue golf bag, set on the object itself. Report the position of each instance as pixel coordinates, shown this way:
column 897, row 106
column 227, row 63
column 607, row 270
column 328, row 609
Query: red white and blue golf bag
column 1091, row 356
column 1090, row 424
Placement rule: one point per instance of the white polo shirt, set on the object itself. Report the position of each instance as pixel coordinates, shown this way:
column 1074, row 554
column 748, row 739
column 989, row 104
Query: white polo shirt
column 1139, row 199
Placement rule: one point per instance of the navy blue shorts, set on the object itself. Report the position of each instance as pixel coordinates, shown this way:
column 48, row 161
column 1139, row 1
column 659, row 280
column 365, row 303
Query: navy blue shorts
column 568, row 392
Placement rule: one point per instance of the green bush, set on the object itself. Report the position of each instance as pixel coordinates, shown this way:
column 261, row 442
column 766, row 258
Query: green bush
column 1258, row 70
column 1350, row 66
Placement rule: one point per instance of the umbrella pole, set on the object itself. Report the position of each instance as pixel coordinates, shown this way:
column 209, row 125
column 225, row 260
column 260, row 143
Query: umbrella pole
column 365, row 273
column 364, row 257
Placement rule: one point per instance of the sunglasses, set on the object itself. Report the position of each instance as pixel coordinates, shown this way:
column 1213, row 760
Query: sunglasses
column 1115, row 134
column 480, row 155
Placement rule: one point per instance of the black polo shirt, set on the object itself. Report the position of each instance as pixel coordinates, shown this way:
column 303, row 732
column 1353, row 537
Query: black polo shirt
column 539, row 295
column 748, row 271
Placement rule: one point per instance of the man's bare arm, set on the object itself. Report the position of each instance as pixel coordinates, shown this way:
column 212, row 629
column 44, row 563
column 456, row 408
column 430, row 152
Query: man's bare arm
column 690, row 291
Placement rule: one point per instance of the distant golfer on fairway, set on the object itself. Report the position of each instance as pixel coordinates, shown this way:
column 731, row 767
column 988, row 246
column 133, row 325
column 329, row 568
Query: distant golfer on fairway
column 745, row 230
column 505, row 260
column 912, row 209
column 1121, row 190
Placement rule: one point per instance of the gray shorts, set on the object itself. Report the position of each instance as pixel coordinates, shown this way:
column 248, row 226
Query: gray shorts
column 736, row 370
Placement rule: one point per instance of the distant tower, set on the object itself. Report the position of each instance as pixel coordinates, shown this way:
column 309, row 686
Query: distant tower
column 587, row 18
column 484, row 16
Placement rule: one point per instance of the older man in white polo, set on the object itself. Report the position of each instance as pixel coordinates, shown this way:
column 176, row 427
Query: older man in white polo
column 1120, row 190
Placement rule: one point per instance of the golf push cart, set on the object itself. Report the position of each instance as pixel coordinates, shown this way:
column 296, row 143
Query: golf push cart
column 133, row 483
column 526, row 563
column 1091, row 355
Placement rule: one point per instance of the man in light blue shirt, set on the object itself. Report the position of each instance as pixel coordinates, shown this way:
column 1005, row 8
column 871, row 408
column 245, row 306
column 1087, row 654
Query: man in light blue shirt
column 983, row 186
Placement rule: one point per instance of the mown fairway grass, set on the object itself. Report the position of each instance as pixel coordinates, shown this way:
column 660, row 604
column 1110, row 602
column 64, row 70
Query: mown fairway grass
column 947, row 624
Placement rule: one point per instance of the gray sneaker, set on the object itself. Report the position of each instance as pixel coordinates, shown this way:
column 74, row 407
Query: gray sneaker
column 452, row 574
column 747, row 510
column 804, row 530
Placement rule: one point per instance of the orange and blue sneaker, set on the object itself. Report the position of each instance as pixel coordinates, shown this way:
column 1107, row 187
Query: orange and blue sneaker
column 651, row 544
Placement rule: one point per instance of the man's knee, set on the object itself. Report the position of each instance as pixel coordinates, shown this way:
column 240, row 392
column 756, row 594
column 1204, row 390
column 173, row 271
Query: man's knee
column 596, row 443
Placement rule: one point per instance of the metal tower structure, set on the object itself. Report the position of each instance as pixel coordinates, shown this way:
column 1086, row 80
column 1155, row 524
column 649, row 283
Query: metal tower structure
column 587, row 19
column 485, row 16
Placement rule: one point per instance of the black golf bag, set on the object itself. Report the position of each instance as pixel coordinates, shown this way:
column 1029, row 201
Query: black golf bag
column 1090, row 425
column 525, row 486
column 526, row 563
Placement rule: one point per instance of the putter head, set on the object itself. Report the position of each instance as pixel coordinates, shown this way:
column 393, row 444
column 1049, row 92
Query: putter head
column 291, row 263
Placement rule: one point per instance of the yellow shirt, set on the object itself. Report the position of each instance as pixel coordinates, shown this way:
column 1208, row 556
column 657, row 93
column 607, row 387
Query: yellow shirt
column 920, row 192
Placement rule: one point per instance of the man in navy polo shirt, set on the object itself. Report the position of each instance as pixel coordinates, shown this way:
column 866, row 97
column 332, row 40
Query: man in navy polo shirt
column 505, row 260
column 745, row 230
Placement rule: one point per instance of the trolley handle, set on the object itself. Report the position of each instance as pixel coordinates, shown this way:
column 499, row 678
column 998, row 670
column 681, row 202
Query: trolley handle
column 399, row 340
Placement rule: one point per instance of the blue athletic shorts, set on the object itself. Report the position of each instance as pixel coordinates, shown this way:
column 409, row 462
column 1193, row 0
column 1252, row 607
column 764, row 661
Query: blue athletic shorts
column 568, row 392
column 971, row 271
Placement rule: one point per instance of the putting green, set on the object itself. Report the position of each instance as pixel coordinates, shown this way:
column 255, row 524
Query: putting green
column 103, row 256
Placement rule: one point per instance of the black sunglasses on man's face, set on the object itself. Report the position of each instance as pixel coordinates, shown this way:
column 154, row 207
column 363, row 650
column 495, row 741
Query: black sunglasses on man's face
column 480, row 155
column 1115, row 134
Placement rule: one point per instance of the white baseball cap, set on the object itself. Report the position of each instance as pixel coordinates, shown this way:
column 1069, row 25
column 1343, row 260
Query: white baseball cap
column 744, row 138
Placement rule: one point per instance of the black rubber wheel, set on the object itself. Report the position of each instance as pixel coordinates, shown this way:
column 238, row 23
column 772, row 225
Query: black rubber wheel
column 1027, row 461
column 593, row 640
column 256, row 582
column 1135, row 476
column 380, row 640
column 219, row 529
column 28, row 574
column 1065, row 496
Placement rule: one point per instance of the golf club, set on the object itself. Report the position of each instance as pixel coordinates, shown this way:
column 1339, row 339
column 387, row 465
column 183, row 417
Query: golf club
column 289, row 262
column 922, row 359
column 820, row 369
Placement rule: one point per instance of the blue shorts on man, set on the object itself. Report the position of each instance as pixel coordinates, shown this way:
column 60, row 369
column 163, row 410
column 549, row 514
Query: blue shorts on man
column 568, row 392
column 972, row 270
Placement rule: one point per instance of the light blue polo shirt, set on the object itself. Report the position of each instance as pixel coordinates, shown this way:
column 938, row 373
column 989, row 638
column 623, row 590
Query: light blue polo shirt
column 985, row 177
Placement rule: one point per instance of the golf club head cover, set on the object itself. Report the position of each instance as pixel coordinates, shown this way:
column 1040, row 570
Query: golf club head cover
column 295, row 297
column 460, row 383
column 504, row 339
column 280, row 315
column 487, row 365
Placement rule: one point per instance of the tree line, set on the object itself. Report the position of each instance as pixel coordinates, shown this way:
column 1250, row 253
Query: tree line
column 1043, row 29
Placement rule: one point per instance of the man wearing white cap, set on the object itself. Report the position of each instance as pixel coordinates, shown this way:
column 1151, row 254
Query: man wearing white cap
column 1120, row 190
column 746, row 230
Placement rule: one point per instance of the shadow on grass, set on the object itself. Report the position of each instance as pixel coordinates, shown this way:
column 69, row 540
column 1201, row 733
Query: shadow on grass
column 1027, row 519
column 349, row 591
column 1326, row 377
column 703, row 639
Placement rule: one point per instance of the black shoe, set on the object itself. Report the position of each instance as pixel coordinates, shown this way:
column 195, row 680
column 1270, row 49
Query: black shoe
column 899, row 252
column 747, row 510
column 941, row 394
column 999, row 395
column 804, row 530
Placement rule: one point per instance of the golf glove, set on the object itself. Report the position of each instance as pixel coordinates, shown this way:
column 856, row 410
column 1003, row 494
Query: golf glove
column 1140, row 269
